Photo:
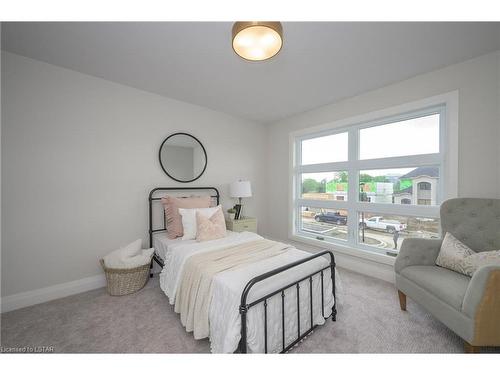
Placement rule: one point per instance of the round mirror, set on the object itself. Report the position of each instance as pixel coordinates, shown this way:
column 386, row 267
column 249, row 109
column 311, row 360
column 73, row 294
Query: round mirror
column 182, row 157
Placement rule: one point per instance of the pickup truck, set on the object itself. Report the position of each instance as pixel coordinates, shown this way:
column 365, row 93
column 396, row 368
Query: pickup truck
column 378, row 223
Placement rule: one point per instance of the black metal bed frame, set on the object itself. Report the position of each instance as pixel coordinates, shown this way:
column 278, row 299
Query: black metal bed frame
column 244, row 305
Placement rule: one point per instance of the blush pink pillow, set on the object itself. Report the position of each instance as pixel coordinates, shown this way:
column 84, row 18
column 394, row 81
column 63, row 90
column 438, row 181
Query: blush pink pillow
column 174, row 218
column 210, row 228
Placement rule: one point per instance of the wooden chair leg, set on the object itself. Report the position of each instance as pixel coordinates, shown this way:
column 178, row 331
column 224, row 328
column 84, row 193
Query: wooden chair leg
column 402, row 300
column 468, row 348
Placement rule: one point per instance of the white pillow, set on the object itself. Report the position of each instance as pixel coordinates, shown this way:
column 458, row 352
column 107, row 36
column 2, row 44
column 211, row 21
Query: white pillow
column 129, row 256
column 132, row 249
column 124, row 262
column 189, row 219
column 127, row 251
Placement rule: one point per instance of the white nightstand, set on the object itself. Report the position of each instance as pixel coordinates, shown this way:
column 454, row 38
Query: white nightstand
column 246, row 224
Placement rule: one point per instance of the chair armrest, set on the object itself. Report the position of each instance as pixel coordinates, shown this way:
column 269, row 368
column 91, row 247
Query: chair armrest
column 417, row 251
column 482, row 304
column 476, row 290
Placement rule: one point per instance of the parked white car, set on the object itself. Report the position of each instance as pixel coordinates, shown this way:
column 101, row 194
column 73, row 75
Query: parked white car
column 378, row 223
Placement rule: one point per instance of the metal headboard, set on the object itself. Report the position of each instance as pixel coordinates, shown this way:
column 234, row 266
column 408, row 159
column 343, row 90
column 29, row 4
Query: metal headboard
column 215, row 194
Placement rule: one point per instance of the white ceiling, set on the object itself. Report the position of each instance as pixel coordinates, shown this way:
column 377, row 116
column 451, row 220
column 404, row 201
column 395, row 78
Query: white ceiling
column 320, row 63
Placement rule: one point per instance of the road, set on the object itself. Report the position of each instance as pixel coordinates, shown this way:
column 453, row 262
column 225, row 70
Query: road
column 372, row 237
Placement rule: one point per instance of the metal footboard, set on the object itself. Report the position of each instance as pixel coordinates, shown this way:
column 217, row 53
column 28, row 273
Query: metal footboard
column 244, row 306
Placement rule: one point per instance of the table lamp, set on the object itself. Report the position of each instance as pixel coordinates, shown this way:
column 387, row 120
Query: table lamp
column 240, row 189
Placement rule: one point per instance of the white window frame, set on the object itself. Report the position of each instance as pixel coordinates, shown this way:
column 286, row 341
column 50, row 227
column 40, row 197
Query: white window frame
column 447, row 160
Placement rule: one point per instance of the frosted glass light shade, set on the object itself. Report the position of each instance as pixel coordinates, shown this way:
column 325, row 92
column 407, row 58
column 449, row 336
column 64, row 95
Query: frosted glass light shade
column 240, row 189
column 256, row 41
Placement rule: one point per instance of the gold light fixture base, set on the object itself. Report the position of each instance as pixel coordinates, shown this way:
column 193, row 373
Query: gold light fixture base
column 257, row 40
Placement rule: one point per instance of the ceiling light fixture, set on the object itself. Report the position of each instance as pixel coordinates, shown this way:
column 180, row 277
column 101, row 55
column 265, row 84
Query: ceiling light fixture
column 257, row 41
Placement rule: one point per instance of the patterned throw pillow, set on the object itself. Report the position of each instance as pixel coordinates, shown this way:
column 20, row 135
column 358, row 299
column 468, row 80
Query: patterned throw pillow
column 453, row 253
column 458, row 257
column 210, row 228
column 485, row 258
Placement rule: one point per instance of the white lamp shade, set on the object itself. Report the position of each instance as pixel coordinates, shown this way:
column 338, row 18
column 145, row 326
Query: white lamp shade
column 240, row 189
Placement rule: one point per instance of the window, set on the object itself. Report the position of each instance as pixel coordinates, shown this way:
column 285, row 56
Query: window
column 424, row 185
column 322, row 223
column 395, row 185
column 415, row 136
column 371, row 185
column 328, row 149
column 324, row 186
column 424, row 202
column 387, row 231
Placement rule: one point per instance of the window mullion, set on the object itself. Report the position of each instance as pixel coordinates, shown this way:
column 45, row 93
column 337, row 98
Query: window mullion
column 329, row 204
column 399, row 209
column 325, row 167
column 400, row 162
column 353, row 183
column 297, row 186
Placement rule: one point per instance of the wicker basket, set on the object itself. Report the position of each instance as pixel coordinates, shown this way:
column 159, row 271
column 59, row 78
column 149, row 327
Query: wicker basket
column 125, row 281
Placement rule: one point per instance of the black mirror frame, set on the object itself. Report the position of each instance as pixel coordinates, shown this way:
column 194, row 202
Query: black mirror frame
column 204, row 152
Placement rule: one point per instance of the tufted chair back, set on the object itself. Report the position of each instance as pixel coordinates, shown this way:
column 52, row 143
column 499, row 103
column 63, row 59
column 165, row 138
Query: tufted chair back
column 474, row 221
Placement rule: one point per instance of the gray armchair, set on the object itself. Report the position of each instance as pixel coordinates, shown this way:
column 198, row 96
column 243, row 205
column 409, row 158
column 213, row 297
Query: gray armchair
column 468, row 306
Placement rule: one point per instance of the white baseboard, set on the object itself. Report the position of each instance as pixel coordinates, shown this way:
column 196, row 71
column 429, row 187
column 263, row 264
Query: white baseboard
column 33, row 297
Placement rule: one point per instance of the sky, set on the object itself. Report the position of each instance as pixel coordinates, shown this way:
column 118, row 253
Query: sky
column 410, row 137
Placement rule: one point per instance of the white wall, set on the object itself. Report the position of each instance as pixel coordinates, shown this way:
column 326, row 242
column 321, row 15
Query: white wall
column 476, row 80
column 79, row 156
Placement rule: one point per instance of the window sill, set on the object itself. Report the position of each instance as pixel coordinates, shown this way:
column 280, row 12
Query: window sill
column 347, row 250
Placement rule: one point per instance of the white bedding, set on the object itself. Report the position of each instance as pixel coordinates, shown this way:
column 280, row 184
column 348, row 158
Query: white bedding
column 161, row 243
column 224, row 317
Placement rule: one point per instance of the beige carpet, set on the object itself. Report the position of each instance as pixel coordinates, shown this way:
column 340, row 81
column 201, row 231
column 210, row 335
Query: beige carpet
column 369, row 321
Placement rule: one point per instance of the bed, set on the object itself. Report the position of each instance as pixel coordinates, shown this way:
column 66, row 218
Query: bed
column 266, row 306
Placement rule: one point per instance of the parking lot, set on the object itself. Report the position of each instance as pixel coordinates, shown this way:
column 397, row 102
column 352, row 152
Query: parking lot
column 372, row 237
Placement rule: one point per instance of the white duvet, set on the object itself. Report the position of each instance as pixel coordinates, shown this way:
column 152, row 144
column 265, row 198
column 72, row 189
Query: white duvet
column 227, row 287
